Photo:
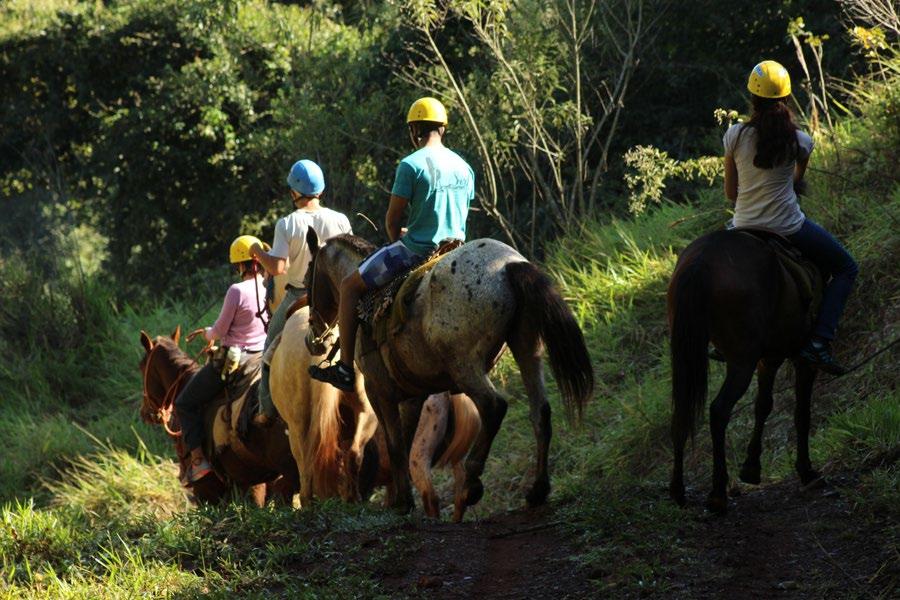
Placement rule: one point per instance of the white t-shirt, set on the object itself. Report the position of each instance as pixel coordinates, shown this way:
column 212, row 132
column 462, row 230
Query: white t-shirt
column 765, row 197
column 290, row 238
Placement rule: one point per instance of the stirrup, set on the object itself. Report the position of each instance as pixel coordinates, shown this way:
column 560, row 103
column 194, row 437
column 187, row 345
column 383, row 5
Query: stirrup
column 819, row 356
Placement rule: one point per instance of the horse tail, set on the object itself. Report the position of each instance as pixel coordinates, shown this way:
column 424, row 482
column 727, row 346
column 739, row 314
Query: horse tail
column 540, row 303
column 466, row 425
column 327, row 420
column 689, row 295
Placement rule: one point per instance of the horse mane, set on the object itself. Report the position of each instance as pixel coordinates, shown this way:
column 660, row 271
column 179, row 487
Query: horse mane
column 353, row 243
column 180, row 359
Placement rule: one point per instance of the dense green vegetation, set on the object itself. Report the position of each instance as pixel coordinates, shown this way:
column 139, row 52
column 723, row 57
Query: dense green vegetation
column 140, row 137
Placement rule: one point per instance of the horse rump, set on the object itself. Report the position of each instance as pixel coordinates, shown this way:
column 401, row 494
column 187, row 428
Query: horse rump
column 540, row 304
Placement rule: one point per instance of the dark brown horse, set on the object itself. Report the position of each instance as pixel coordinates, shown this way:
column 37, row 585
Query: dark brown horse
column 729, row 288
column 263, row 466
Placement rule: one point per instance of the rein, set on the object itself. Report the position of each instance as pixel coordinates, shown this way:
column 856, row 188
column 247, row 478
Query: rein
column 165, row 407
column 316, row 343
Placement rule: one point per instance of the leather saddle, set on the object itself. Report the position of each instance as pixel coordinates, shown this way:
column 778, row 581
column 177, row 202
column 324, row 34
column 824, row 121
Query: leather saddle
column 375, row 304
column 795, row 267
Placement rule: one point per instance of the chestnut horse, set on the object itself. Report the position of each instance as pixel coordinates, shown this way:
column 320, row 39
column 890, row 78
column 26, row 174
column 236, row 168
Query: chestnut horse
column 477, row 299
column 263, row 466
column 729, row 288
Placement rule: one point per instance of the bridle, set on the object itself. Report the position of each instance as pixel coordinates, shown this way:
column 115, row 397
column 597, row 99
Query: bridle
column 317, row 344
column 165, row 407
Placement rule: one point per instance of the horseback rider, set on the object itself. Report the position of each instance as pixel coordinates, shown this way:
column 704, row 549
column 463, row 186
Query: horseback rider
column 765, row 160
column 242, row 333
column 436, row 186
column 289, row 254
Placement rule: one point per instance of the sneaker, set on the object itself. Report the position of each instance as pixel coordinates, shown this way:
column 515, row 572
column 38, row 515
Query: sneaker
column 196, row 472
column 818, row 354
column 338, row 375
column 715, row 354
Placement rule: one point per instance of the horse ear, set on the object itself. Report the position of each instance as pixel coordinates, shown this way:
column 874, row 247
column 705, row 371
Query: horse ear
column 176, row 335
column 312, row 240
column 146, row 342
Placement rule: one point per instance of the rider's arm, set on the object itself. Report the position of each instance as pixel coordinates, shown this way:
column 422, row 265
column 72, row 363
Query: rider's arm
column 731, row 178
column 800, row 169
column 274, row 259
column 274, row 265
column 393, row 221
column 226, row 315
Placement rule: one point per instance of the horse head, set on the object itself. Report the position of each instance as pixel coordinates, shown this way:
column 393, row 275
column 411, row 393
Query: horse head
column 164, row 368
column 331, row 263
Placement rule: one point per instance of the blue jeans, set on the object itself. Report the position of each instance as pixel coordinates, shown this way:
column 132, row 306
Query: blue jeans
column 386, row 263
column 190, row 404
column 835, row 262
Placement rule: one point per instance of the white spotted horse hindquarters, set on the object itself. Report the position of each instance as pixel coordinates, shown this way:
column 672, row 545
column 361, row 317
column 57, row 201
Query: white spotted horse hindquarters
column 431, row 430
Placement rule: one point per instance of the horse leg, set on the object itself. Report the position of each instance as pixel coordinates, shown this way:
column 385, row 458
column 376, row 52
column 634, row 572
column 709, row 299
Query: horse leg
column 491, row 408
column 766, row 371
column 304, row 469
column 805, row 377
column 737, row 379
column 676, row 484
column 390, row 418
column 430, row 431
column 366, row 424
column 459, row 491
column 525, row 345
column 257, row 494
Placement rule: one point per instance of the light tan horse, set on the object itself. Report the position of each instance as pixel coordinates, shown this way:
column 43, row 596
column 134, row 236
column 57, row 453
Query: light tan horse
column 328, row 443
column 328, row 449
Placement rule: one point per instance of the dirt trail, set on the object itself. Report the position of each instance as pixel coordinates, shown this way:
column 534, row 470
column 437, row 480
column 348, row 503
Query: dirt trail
column 783, row 542
column 523, row 554
column 777, row 542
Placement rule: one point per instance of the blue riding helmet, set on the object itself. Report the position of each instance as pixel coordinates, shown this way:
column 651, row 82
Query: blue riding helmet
column 306, row 178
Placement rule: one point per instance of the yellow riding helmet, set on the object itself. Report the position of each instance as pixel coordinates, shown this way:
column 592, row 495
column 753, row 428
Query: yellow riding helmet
column 240, row 248
column 427, row 109
column 769, row 79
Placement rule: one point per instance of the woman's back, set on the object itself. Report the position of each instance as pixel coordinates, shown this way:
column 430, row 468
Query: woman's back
column 766, row 197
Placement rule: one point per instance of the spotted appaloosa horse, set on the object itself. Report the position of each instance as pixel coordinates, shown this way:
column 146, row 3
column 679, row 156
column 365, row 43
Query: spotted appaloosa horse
column 729, row 288
column 478, row 298
column 263, row 468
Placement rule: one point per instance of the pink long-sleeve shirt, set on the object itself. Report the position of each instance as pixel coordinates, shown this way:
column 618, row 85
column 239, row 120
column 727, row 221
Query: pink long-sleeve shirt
column 238, row 324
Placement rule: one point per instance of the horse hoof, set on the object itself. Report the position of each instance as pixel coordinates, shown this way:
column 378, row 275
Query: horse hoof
column 718, row 505
column 750, row 474
column 459, row 510
column 537, row 495
column 676, row 492
column 812, row 481
column 432, row 506
column 474, row 492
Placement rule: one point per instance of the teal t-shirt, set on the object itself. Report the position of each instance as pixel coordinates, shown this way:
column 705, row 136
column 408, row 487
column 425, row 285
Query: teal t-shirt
column 439, row 186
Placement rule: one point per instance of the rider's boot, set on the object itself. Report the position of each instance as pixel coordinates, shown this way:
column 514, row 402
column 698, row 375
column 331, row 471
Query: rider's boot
column 716, row 354
column 817, row 353
column 339, row 375
column 198, row 469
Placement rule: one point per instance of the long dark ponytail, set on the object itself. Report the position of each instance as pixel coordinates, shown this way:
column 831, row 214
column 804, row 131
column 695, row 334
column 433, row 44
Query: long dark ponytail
column 776, row 132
